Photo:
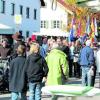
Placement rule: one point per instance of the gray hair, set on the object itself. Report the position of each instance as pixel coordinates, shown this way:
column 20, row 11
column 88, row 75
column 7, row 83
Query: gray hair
column 88, row 42
column 54, row 45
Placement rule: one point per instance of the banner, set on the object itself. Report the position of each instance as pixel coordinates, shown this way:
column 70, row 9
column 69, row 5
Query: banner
column 88, row 25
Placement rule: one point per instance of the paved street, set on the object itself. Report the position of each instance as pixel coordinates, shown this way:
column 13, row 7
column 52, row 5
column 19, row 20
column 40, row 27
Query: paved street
column 64, row 98
column 65, row 32
column 71, row 81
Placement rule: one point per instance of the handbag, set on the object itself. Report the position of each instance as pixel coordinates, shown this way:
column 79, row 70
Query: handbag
column 76, row 56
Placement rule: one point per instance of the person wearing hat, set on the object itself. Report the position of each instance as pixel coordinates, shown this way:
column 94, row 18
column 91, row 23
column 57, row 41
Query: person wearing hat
column 86, row 60
column 18, row 41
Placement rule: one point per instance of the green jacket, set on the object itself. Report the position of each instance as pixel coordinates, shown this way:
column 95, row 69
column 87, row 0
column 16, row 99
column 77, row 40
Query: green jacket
column 55, row 59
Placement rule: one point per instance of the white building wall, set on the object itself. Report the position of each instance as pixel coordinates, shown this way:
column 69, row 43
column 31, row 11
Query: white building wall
column 30, row 24
column 50, row 15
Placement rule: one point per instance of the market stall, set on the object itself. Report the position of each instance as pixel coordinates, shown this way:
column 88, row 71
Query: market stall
column 51, row 32
column 6, row 31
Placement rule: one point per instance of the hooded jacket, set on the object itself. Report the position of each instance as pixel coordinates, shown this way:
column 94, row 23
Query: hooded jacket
column 55, row 60
column 17, row 79
column 36, row 68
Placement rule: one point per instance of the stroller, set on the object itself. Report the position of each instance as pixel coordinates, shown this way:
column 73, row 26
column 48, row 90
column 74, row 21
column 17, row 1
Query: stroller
column 4, row 75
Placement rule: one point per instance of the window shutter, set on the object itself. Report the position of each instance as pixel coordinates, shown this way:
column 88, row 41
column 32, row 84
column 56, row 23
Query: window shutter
column 47, row 24
column 60, row 24
column 52, row 24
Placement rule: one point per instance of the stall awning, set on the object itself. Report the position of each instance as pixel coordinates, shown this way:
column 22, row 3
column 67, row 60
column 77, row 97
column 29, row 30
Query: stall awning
column 51, row 32
column 5, row 29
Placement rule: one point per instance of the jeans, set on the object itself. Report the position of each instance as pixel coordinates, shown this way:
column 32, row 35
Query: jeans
column 35, row 91
column 86, row 78
column 18, row 96
column 70, row 67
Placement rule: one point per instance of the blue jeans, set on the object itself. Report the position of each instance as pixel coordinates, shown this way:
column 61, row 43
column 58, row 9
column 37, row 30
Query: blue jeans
column 35, row 91
column 86, row 78
column 18, row 95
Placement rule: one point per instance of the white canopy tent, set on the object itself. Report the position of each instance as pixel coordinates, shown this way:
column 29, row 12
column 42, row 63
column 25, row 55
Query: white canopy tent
column 52, row 32
column 4, row 29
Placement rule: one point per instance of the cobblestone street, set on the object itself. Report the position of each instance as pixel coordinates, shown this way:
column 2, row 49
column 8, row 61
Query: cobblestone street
column 71, row 81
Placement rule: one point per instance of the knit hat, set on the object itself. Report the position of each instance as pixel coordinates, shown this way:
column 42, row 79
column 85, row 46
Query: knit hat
column 33, row 38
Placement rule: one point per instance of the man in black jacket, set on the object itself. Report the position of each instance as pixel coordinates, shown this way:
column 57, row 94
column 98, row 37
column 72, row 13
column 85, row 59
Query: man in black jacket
column 17, row 80
column 65, row 48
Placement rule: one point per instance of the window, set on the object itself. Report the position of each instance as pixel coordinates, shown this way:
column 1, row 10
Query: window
column 13, row 9
column 21, row 10
column 2, row 6
column 35, row 14
column 27, row 12
column 42, row 2
column 56, row 24
column 44, row 24
column 27, row 34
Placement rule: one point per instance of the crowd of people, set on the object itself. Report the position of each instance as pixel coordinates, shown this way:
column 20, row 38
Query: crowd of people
column 52, row 62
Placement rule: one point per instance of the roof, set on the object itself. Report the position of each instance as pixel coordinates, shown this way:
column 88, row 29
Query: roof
column 71, row 7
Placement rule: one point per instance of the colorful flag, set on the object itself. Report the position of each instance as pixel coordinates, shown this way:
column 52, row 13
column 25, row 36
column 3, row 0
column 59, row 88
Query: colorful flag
column 72, row 30
column 92, row 35
column 72, row 34
column 88, row 25
column 79, row 29
column 95, row 24
column 84, row 38
column 92, row 25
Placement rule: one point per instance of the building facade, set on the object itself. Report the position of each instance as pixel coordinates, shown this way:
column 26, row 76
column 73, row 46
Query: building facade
column 53, row 20
column 21, row 15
